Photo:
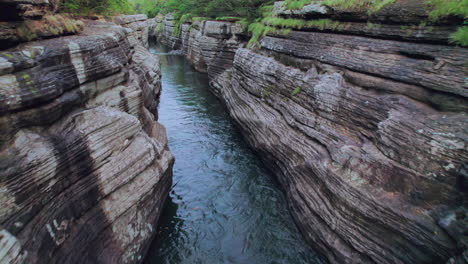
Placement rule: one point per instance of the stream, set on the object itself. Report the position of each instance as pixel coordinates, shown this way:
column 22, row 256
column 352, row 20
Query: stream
column 224, row 206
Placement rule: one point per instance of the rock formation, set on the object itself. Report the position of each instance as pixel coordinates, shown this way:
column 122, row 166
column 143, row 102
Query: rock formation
column 84, row 165
column 364, row 125
column 22, row 21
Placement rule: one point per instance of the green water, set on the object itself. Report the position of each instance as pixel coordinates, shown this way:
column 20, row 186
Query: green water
column 224, row 206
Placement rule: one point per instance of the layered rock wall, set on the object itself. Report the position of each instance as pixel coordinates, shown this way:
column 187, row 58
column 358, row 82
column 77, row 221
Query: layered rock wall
column 27, row 20
column 209, row 45
column 365, row 128
column 84, row 165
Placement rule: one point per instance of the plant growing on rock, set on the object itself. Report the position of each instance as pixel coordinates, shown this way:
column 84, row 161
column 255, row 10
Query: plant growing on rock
column 296, row 91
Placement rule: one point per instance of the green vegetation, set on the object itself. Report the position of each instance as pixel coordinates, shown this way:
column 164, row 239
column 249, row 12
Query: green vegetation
column 445, row 8
column 104, row 7
column 292, row 23
column 229, row 18
column 178, row 24
column 296, row 91
column 267, row 91
column 372, row 5
column 160, row 27
column 259, row 30
column 249, row 9
column 256, row 16
column 460, row 37
column 296, row 4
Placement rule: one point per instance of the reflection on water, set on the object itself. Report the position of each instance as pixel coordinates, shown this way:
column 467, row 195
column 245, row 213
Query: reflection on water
column 224, row 206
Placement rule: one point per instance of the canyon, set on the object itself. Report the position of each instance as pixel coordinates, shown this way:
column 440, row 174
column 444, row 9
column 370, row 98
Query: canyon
column 361, row 120
column 363, row 124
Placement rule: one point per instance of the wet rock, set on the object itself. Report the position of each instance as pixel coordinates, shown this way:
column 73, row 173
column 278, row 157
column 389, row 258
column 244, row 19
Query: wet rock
column 84, row 165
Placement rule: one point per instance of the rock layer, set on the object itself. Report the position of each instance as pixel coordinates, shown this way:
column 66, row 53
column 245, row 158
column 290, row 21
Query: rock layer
column 209, row 45
column 85, row 166
column 367, row 136
column 27, row 20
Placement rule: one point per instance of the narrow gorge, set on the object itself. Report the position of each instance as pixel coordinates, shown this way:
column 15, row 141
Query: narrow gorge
column 362, row 120
column 322, row 133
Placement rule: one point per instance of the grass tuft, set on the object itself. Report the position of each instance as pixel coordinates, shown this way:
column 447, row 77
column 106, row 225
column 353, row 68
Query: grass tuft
column 296, row 91
column 460, row 37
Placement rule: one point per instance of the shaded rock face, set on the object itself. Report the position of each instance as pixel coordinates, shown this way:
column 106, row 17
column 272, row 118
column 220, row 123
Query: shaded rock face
column 22, row 21
column 162, row 28
column 84, row 165
column 366, row 133
column 209, row 45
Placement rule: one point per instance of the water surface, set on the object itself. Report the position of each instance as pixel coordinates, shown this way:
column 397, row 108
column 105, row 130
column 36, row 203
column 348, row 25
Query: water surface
column 224, row 206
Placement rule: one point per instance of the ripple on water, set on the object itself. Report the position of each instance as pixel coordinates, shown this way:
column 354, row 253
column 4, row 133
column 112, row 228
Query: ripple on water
column 224, row 206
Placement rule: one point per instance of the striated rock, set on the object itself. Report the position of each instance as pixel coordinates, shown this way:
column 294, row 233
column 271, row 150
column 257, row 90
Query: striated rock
column 163, row 30
column 22, row 21
column 367, row 136
column 399, row 20
column 209, row 45
column 138, row 23
column 13, row 10
column 369, row 175
column 84, row 165
column 393, row 12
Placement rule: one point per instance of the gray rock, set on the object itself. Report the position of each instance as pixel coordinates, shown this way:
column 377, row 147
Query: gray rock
column 366, row 136
column 85, row 166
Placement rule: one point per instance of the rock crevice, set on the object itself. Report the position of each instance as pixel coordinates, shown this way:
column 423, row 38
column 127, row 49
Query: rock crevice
column 366, row 135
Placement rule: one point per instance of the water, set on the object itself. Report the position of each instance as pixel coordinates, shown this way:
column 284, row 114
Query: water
column 224, row 206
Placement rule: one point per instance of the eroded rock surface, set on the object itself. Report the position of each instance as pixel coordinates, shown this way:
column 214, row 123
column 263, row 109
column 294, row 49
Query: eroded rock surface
column 209, row 45
column 27, row 20
column 84, row 165
column 366, row 130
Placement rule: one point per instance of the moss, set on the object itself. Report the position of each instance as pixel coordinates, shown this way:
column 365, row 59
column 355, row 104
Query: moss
column 373, row 6
column 460, row 37
column 259, row 30
column 178, row 24
column 26, row 32
column 8, row 55
column 199, row 18
column 296, row 4
column 291, row 23
column 229, row 18
column 267, row 91
column 160, row 28
column 296, row 91
column 28, row 82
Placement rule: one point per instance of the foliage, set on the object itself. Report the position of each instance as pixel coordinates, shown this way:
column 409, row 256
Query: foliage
column 372, row 5
column 460, row 37
column 178, row 24
column 444, row 8
column 259, row 30
column 149, row 7
column 249, row 9
column 103, row 7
